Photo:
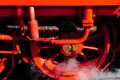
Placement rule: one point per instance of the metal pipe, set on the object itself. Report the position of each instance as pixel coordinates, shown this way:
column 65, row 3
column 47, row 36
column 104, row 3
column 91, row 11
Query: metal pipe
column 88, row 13
column 87, row 23
column 10, row 38
column 17, row 51
column 20, row 19
column 88, row 17
column 32, row 13
column 12, row 64
column 72, row 41
column 5, row 37
column 33, row 24
column 52, row 28
column 66, row 41
column 8, row 52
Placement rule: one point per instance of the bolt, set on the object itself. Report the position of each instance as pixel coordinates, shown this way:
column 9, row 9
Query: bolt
column 19, row 52
column 19, row 61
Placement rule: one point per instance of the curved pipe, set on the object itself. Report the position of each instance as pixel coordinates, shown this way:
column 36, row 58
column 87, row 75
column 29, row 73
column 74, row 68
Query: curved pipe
column 66, row 41
column 72, row 41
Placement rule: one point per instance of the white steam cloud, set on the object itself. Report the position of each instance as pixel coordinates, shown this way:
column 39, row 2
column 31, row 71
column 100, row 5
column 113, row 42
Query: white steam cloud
column 72, row 65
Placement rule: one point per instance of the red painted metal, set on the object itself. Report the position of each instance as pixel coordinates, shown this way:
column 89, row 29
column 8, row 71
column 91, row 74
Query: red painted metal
column 65, row 41
column 114, row 51
column 17, row 51
column 88, row 17
column 8, row 52
column 69, row 41
column 33, row 24
column 32, row 13
column 38, row 61
column 48, row 66
column 78, row 50
column 49, row 63
column 5, row 37
column 58, row 11
column 20, row 19
column 43, row 63
column 87, row 22
column 11, row 69
column 2, row 64
column 60, row 3
column 107, row 46
column 3, row 60
column 10, row 38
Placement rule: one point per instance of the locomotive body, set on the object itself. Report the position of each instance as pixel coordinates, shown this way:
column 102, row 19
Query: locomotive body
column 49, row 34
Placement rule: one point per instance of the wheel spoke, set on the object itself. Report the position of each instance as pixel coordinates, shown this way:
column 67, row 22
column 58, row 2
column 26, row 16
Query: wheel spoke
column 94, row 36
column 51, row 63
column 83, row 55
column 52, row 59
column 91, row 47
column 45, row 47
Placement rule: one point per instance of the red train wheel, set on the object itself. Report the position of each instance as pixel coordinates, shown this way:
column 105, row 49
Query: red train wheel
column 93, row 51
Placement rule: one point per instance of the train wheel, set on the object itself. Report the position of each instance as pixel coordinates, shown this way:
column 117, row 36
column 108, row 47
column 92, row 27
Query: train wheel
column 91, row 53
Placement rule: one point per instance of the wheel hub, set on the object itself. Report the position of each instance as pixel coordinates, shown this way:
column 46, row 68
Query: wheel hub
column 69, row 49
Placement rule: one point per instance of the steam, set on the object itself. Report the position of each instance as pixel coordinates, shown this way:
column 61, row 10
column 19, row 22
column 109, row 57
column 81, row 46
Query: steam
column 83, row 73
column 72, row 65
column 68, row 66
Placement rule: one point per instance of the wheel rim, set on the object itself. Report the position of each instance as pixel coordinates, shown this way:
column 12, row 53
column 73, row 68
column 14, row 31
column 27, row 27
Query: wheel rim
column 48, row 66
